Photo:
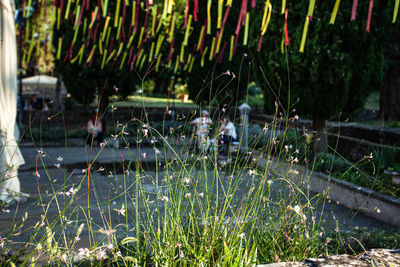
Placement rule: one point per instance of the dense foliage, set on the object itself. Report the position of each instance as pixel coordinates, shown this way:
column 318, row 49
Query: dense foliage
column 341, row 63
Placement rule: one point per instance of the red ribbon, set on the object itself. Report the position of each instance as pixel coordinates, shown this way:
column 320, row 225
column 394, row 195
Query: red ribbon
column 286, row 30
column 371, row 5
column 137, row 16
column 259, row 43
column 196, row 9
column 354, row 10
column 186, row 13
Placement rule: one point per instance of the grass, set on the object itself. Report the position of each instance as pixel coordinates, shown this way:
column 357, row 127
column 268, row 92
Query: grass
column 148, row 102
column 188, row 209
column 160, row 202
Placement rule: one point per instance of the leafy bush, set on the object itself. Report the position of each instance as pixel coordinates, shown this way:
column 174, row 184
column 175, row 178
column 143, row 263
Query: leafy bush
column 328, row 162
column 52, row 134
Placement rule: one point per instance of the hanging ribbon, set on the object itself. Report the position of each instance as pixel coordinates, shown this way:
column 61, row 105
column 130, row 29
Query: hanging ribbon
column 304, row 36
column 334, row 12
column 354, row 10
column 395, row 11
column 266, row 17
column 371, row 5
column 286, row 28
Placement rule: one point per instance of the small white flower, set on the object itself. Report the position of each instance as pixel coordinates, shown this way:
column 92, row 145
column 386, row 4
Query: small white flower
column 100, row 255
column 186, row 181
column 84, row 170
column 57, row 165
column 37, row 174
column 84, row 252
column 77, row 238
column 200, row 194
column 59, row 159
column 118, row 254
column 164, row 198
column 242, row 236
column 187, row 195
column 121, row 211
column 64, row 257
column 296, row 209
column 102, row 144
column 144, row 155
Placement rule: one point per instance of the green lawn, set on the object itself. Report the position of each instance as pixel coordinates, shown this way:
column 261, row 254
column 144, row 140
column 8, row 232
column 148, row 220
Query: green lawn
column 148, row 102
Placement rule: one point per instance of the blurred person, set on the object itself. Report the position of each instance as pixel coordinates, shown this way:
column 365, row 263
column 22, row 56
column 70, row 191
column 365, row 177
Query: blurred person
column 202, row 124
column 227, row 134
column 95, row 130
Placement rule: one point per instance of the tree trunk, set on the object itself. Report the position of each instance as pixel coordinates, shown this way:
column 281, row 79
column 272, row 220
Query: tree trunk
column 57, row 100
column 320, row 138
column 103, row 106
column 390, row 92
column 161, row 86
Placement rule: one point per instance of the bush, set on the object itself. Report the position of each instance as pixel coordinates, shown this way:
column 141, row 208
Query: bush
column 328, row 162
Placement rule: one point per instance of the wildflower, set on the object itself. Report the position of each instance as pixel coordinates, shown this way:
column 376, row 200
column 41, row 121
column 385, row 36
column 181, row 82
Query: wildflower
column 39, row 247
column 164, row 198
column 296, row 117
column 181, row 255
column 296, row 209
column 295, row 160
column 84, row 252
column 223, row 110
column 118, row 254
column 169, row 112
column 297, row 151
column 171, row 130
column 102, row 144
column 116, row 89
column 64, row 257
column 57, row 165
column 121, row 211
column 145, row 130
column 269, row 182
column 277, row 259
column 110, row 246
column 186, row 181
column 200, row 194
column 144, row 155
column 187, row 195
column 228, row 72
column 84, row 170
column 6, row 211
column 77, row 238
column 287, row 149
column 251, row 172
column 158, row 152
column 100, row 255
column 37, row 174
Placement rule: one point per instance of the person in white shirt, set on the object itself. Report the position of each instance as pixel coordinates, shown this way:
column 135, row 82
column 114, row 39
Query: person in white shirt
column 202, row 124
column 227, row 134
